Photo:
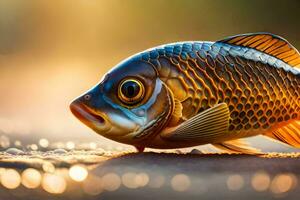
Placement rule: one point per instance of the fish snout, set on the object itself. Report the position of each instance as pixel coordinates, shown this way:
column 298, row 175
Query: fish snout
column 89, row 116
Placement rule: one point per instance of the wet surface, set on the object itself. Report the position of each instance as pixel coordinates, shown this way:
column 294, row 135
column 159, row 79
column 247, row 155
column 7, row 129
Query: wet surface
column 100, row 174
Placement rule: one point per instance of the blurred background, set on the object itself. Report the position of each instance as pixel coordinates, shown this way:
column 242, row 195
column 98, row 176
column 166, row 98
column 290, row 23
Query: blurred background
column 52, row 51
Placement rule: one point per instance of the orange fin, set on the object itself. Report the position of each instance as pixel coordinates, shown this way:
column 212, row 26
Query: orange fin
column 288, row 134
column 268, row 43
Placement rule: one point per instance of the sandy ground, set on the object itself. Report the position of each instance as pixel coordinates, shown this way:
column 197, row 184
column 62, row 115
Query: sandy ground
column 168, row 175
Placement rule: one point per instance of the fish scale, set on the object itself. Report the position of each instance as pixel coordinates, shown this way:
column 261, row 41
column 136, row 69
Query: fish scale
column 202, row 83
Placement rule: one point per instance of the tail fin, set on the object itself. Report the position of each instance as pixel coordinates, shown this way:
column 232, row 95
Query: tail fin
column 288, row 134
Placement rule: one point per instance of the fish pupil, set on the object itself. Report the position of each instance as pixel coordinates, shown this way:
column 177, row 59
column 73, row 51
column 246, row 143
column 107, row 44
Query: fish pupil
column 130, row 89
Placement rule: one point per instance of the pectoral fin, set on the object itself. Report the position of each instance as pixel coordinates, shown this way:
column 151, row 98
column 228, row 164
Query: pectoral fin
column 237, row 146
column 207, row 126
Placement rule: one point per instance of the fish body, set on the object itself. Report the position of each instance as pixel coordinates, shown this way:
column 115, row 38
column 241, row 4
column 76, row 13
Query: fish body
column 193, row 93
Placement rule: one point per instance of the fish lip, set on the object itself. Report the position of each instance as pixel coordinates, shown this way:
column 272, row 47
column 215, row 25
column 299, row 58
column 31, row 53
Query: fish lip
column 88, row 116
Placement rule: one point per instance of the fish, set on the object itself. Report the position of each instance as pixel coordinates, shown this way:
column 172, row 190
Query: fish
column 193, row 93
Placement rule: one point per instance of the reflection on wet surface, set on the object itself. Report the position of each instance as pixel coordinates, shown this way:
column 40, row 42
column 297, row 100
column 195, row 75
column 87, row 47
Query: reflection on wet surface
column 88, row 171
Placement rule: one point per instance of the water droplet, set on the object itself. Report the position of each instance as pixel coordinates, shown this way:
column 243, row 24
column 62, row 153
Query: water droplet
column 60, row 151
column 14, row 151
column 196, row 152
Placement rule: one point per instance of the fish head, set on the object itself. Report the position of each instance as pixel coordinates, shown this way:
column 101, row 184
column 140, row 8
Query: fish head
column 130, row 104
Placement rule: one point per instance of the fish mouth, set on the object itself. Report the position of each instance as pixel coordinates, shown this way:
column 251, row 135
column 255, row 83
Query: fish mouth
column 90, row 117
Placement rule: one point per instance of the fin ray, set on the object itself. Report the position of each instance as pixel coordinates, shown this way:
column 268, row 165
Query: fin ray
column 208, row 125
column 237, row 146
column 288, row 134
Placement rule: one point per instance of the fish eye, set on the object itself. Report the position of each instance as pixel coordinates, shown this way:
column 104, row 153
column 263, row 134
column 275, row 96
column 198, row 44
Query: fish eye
column 87, row 97
column 131, row 91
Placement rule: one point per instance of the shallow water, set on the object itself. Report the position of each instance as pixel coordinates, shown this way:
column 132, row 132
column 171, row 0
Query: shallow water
column 101, row 174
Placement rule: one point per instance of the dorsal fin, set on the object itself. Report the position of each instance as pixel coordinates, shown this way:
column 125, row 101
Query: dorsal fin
column 268, row 43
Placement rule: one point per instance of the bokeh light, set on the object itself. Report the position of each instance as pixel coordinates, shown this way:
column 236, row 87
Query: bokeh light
column 92, row 185
column 93, row 145
column 4, row 142
column 44, row 143
column 10, row 179
column 2, row 170
column 31, row 178
column 53, row 183
column 128, row 180
column 70, row 145
column 18, row 143
column 48, row 167
column 180, row 182
column 235, row 182
column 78, row 173
column 141, row 179
column 34, row 147
column 260, row 181
column 111, row 182
column 156, row 181
column 282, row 183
